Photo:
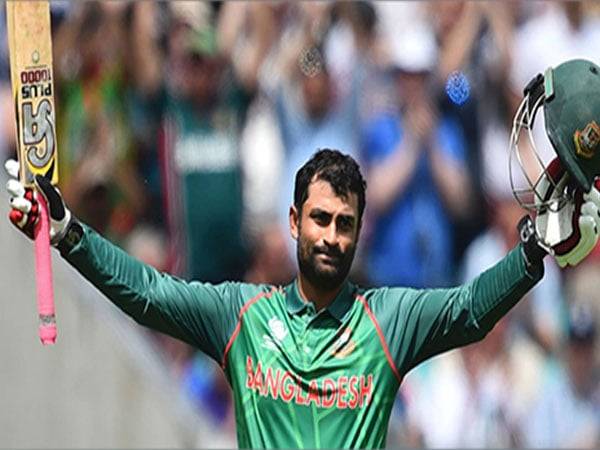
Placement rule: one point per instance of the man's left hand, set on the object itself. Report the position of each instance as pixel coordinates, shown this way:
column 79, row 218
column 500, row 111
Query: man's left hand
column 571, row 232
column 587, row 223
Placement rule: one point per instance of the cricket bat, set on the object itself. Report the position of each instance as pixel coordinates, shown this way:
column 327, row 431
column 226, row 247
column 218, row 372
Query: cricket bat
column 30, row 47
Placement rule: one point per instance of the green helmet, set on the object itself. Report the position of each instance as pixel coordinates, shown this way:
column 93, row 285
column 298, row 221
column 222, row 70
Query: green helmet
column 570, row 96
column 572, row 114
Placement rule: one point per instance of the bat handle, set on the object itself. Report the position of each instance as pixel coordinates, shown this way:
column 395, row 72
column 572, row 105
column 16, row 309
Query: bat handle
column 43, row 273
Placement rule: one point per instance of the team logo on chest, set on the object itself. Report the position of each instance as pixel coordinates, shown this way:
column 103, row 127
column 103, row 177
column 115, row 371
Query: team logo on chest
column 278, row 334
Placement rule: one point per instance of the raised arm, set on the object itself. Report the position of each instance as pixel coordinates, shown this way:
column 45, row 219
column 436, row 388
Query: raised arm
column 254, row 46
column 419, row 324
column 146, row 59
column 447, row 157
column 201, row 314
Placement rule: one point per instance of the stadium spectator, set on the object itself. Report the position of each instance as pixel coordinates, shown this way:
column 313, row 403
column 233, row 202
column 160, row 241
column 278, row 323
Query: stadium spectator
column 417, row 175
column 203, row 104
column 308, row 95
column 555, row 32
column 97, row 156
column 313, row 108
column 475, row 41
column 205, row 101
column 261, row 148
column 205, row 385
column 475, row 397
column 566, row 413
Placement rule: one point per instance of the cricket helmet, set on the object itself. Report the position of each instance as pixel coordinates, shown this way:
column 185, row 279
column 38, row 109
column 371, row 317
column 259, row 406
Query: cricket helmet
column 570, row 97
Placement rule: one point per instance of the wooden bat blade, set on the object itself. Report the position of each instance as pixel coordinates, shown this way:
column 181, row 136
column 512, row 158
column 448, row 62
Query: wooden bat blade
column 30, row 46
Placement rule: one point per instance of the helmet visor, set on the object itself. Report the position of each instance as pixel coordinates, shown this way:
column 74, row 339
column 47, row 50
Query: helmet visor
column 534, row 186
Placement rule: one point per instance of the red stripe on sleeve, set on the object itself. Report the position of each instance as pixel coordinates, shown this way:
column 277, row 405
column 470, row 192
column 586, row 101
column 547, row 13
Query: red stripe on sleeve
column 238, row 326
column 386, row 349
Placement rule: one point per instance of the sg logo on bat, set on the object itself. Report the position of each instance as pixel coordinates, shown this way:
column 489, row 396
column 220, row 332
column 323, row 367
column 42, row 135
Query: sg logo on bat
column 38, row 119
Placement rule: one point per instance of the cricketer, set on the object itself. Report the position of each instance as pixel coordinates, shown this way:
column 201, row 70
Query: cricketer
column 318, row 363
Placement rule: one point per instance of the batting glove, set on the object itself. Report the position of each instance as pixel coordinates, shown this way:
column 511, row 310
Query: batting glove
column 571, row 232
column 24, row 213
column 586, row 226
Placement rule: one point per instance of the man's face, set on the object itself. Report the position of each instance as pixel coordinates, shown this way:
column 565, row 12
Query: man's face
column 580, row 362
column 204, row 75
column 412, row 87
column 317, row 95
column 192, row 75
column 326, row 231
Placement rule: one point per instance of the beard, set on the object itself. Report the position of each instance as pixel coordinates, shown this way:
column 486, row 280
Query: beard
column 324, row 275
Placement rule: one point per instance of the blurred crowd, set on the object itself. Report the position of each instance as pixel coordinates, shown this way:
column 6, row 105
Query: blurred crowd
column 181, row 126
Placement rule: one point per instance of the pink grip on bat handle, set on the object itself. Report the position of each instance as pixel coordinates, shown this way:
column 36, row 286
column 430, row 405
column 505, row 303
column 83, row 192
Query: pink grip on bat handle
column 43, row 273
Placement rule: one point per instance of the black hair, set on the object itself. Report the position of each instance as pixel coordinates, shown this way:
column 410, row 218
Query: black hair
column 341, row 171
column 365, row 15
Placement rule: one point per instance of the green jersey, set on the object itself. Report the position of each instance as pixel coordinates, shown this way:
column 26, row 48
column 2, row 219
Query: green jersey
column 303, row 378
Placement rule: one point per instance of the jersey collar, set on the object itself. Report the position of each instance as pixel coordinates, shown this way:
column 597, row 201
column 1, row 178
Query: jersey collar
column 338, row 307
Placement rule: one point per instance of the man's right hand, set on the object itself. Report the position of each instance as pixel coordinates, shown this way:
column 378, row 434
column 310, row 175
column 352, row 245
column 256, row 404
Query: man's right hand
column 24, row 213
